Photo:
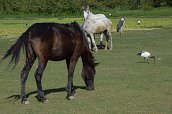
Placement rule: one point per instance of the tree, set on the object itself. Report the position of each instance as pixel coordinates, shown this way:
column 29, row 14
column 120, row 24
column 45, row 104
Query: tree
column 169, row 2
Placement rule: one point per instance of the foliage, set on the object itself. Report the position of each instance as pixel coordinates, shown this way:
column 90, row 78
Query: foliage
column 57, row 7
column 169, row 2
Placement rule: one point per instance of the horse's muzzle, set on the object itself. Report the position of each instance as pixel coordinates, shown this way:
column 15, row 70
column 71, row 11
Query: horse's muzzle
column 90, row 88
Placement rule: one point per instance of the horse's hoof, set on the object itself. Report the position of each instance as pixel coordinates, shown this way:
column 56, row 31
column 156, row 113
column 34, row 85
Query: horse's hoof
column 75, row 94
column 95, row 49
column 71, row 97
column 25, row 102
column 45, row 101
column 42, row 99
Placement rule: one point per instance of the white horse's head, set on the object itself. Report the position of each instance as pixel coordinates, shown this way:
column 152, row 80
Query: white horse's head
column 86, row 12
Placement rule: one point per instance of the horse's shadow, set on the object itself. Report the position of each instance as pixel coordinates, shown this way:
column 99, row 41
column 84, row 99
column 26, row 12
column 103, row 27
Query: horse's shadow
column 46, row 92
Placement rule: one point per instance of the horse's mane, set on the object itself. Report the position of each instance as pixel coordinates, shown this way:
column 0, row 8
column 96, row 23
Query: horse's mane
column 78, row 28
column 90, row 58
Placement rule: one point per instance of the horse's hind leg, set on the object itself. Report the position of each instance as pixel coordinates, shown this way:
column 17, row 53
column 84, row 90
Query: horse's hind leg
column 107, row 39
column 101, row 41
column 108, row 35
column 24, row 75
column 38, row 77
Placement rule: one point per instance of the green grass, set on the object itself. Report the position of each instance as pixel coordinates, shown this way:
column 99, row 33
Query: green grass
column 123, row 83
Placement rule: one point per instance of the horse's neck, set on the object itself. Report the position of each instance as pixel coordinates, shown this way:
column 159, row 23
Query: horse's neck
column 91, row 15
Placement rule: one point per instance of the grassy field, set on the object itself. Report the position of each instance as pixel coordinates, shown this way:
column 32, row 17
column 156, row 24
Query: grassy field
column 124, row 84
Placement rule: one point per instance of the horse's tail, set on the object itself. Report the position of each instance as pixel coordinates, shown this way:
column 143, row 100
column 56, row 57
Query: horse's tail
column 22, row 41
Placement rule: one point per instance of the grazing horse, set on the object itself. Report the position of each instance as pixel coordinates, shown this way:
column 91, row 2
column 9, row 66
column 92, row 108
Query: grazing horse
column 55, row 42
column 97, row 24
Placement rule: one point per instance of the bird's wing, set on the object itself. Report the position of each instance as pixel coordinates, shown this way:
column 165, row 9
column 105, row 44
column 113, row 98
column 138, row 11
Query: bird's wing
column 119, row 25
column 145, row 54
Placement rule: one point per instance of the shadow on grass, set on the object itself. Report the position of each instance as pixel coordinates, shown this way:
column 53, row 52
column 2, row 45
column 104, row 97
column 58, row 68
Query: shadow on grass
column 141, row 62
column 46, row 92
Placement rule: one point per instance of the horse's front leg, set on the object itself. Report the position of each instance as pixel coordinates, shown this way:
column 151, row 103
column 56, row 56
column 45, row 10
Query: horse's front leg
column 89, row 42
column 71, row 63
column 38, row 78
column 94, row 43
column 70, row 89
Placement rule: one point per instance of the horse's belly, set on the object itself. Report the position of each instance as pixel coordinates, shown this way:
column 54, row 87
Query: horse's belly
column 61, row 54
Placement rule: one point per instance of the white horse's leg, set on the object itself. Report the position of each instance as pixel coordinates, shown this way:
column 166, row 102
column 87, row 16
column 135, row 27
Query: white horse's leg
column 94, row 43
column 107, row 38
column 101, row 40
column 89, row 42
column 111, row 45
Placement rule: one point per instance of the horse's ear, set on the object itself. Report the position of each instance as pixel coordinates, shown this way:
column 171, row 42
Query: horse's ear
column 88, row 8
column 83, row 8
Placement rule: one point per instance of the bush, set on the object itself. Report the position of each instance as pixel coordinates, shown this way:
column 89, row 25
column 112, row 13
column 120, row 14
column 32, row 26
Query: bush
column 57, row 7
column 169, row 2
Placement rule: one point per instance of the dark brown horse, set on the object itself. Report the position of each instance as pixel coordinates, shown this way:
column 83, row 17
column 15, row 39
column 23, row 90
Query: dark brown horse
column 56, row 42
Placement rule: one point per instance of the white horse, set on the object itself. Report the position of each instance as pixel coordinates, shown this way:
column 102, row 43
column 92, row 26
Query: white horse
column 97, row 24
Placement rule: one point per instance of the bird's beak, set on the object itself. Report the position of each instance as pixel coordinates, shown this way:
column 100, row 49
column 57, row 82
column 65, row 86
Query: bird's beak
column 153, row 58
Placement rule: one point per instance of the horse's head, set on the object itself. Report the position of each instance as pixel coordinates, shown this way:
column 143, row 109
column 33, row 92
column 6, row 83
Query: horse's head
column 88, row 76
column 88, row 73
column 86, row 12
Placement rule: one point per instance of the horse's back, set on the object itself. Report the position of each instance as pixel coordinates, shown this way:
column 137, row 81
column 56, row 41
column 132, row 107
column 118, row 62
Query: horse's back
column 54, row 41
column 97, row 16
column 97, row 25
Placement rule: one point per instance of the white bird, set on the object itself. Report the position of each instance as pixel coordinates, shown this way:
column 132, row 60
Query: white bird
column 146, row 55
